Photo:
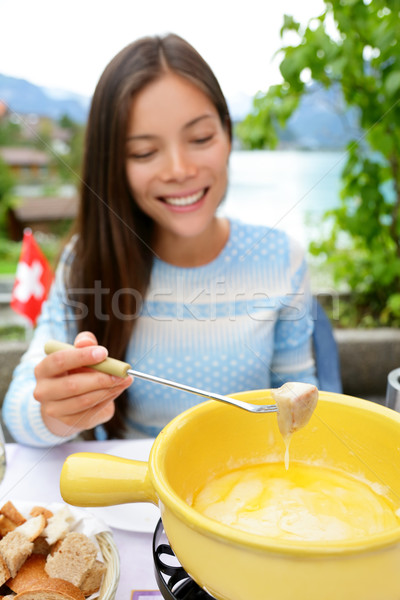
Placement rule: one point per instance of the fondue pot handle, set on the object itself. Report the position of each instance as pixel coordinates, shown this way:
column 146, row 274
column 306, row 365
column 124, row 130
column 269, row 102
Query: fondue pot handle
column 90, row 479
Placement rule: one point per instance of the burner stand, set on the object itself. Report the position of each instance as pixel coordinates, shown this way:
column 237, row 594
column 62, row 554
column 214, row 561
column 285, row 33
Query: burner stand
column 173, row 581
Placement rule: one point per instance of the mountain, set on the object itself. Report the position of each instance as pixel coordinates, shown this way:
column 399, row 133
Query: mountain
column 24, row 97
column 322, row 120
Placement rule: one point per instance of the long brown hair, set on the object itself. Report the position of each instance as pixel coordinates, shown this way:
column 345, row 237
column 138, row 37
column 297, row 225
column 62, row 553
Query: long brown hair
column 113, row 252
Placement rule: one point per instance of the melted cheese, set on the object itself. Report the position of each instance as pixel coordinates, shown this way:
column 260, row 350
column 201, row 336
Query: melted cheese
column 304, row 503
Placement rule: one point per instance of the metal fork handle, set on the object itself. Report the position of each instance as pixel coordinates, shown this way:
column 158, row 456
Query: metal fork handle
column 254, row 408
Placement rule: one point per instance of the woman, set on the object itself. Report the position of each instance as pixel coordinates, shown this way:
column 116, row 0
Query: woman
column 152, row 275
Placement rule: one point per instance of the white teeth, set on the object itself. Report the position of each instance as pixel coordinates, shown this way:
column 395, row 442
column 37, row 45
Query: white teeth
column 186, row 200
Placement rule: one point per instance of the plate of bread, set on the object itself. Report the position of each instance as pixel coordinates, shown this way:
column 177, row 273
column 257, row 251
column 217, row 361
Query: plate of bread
column 55, row 552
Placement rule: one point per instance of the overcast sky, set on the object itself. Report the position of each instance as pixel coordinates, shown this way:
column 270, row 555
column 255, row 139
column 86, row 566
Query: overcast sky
column 66, row 45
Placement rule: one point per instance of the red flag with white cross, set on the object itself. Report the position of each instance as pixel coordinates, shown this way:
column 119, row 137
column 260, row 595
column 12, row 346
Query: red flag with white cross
column 33, row 279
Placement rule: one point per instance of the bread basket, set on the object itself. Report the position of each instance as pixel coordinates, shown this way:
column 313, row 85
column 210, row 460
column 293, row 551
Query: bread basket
column 110, row 555
column 89, row 524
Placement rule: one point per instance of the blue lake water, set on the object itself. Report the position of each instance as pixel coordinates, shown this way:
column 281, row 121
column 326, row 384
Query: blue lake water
column 289, row 190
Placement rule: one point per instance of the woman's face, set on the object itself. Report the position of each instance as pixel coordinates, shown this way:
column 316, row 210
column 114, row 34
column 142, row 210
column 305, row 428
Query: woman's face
column 176, row 156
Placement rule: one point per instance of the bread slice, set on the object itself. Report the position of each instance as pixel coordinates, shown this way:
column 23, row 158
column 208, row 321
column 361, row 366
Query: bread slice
column 41, row 510
column 58, row 525
column 72, row 560
column 9, row 511
column 92, row 581
column 52, row 589
column 6, row 525
column 15, row 548
column 296, row 402
column 40, row 546
column 32, row 528
column 4, row 571
column 31, row 572
column 55, row 547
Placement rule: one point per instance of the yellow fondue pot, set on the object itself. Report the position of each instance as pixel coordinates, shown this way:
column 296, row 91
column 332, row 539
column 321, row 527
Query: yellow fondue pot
column 356, row 436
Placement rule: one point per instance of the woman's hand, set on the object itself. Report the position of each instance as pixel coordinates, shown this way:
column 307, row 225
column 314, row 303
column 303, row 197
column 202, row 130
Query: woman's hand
column 72, row 397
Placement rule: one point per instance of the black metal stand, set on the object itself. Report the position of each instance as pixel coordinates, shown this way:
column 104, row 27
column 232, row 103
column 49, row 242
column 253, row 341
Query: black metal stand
column 173, row 581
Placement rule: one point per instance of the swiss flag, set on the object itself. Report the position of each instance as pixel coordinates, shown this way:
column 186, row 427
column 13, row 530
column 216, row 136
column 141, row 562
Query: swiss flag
column 33, row 279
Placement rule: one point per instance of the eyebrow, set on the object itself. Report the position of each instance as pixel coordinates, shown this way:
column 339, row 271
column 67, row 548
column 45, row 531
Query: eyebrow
column 186, row 126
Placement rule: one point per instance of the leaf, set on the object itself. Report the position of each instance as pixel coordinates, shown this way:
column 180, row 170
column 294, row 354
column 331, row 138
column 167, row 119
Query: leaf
column 349, row 2
column 392, row 83
column 394, row 304
column 289, row 24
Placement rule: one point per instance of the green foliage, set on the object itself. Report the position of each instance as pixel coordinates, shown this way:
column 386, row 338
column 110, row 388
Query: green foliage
column 10, row 133
column 9, row 256
column 6, row 180
column 12, row 333
column 69, row 164
column 10, row 252
column 6, row 186
column 361, row 54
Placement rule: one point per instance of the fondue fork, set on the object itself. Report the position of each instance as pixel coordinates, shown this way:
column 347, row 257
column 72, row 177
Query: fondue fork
column 112, row 366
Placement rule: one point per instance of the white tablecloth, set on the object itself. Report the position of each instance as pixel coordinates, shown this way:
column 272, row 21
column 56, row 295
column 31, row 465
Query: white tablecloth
column 33, row 474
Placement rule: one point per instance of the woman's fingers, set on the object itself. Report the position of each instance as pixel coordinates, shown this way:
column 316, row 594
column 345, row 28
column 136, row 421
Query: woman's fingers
column 76, row 384
column 85, row 338
column 101, row 413
column 73, row 396
column 72, row 406
column 63, row 361
column 66, row 417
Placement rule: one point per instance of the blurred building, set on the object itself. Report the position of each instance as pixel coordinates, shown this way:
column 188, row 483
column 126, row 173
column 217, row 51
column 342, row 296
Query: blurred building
column 33, row 169
column 44, row 214
column 25, row 163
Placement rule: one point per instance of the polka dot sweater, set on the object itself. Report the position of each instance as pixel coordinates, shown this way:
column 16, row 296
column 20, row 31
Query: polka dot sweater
column 238, row 323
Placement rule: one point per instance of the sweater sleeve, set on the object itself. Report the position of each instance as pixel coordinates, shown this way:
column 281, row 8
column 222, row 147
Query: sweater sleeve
column 293, row 356
column 21, row 412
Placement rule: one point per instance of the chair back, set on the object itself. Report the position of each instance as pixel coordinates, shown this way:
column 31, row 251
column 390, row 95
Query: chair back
column 325, row 352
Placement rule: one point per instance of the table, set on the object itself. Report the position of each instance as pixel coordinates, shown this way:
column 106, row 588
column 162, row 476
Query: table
column 33, row 474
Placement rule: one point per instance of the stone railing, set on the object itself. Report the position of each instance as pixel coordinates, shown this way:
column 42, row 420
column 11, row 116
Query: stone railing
column 366, row 358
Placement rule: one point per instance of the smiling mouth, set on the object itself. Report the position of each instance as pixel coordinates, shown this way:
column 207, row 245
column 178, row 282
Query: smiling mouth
column 185, row 200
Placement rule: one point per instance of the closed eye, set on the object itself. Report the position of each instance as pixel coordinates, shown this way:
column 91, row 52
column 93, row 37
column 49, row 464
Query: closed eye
column 141, row 155
column 203, row 140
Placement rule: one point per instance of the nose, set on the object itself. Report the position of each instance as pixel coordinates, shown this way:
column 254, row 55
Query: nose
column 178, row 165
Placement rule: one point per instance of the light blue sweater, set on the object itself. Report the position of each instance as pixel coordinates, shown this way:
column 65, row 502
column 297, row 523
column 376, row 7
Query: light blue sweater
column 241, row 322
